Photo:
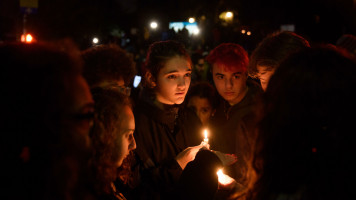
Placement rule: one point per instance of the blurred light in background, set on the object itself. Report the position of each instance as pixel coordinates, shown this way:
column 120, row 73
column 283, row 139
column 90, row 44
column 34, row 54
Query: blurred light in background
column 27, row 38
column 95, row 40
column 191, row 20
column 226, row 16
column 153, row 25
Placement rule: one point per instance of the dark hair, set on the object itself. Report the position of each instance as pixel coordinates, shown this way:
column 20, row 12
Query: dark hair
column 274, row 48
column 160, row 52
column 203, row 90
column 109, row 105
column 107, row 62
column 36, row 82
column 306, row 140
column 233, row 56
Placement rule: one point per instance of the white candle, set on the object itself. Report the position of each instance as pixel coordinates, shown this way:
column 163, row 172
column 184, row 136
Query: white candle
column 206, row 139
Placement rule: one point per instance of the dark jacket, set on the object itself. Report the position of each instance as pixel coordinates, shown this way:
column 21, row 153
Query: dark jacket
column 162, row 131
column 233, row 130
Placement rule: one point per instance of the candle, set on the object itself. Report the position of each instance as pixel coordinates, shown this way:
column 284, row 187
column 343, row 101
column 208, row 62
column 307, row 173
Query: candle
column 206, row 139
column 223, row 178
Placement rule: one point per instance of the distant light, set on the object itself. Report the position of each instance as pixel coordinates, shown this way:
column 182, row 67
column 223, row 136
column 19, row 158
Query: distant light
column 191, row 20
column 229, row 14
column 154, row 25
column 248, row 33
column 27, row 38
column 196, row 31
column 137, row 81
column 95, row 40
column 243, row 31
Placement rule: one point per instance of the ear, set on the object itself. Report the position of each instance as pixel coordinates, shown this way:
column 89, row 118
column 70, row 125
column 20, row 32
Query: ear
column 150, row 80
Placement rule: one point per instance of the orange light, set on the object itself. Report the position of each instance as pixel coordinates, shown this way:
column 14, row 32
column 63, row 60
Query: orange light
column 27, row 38
column 223, row 178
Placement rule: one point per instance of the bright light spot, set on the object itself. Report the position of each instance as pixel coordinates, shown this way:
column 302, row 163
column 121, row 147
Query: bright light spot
column 196, row 31
column 229, row 14
column 27, row 38
column 154, row 25
column 248, row 33
column 191, row 20
column 223, row 178
column 243, row 31
column 95, row 40
column 137, row 81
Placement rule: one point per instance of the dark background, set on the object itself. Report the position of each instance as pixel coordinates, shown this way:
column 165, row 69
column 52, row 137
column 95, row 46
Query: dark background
column 320, row 21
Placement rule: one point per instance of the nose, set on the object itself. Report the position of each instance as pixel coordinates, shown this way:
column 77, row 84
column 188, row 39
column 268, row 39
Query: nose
column 132, row 145
column 228, row 83
column 181, row 83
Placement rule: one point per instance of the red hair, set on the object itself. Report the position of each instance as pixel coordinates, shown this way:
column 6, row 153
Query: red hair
column 233, row 56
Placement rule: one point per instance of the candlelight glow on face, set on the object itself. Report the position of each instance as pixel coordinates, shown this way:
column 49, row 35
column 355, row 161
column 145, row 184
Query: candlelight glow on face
column 223, row 178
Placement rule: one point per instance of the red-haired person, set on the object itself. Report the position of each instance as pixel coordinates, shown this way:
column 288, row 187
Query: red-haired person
column 232, row 126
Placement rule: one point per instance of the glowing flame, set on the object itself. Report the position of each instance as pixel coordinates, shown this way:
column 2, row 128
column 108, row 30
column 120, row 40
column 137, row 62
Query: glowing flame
column 223, row 178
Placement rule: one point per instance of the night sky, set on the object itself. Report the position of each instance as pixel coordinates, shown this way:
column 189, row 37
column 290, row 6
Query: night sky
column 317, row 20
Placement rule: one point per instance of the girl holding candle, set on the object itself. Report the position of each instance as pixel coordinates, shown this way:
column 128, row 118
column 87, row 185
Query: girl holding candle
column 166, row 133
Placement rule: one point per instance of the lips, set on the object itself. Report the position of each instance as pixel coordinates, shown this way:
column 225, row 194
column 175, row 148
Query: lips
column 229, row 93
column 180, row 93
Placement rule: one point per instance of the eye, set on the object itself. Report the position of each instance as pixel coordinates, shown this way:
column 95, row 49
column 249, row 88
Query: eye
column 188, row 75
column 172, row 76
column 236, row 76
column 219, row 77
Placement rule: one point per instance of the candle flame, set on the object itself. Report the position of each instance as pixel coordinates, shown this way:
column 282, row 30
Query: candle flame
column 223, row 178
column 205, row 134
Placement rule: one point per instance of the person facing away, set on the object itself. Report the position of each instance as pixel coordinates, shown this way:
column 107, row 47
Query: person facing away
column 165, row 133
column 232, row 126
column 45, row 122
column 112, row 140
column 306, row 141
column 202, row 99
column 271, row 51
column 108, row 66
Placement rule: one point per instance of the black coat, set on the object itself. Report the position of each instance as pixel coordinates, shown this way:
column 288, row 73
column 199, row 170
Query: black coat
column 233, row 130
column 162, row 131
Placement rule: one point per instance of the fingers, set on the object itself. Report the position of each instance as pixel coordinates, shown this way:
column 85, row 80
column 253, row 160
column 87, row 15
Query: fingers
column 226, row 159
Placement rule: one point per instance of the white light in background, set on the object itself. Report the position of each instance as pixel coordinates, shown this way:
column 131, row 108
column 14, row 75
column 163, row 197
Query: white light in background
column 95, row 40
column 196, row 31
column 191, row 20
column 153, row 25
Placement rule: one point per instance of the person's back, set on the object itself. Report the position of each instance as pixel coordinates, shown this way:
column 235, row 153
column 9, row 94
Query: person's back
column 306, row 143
column 45, row 122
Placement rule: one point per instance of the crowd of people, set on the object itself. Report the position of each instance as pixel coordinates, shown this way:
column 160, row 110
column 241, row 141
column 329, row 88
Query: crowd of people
column 276, row 121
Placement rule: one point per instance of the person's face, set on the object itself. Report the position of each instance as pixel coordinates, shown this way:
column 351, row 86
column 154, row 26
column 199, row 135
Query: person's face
column 82, row 107
column 202, row 108
column 173, row 81
column 125, row 140
column 200, row 64
column 231, row 85
column 264, row 74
